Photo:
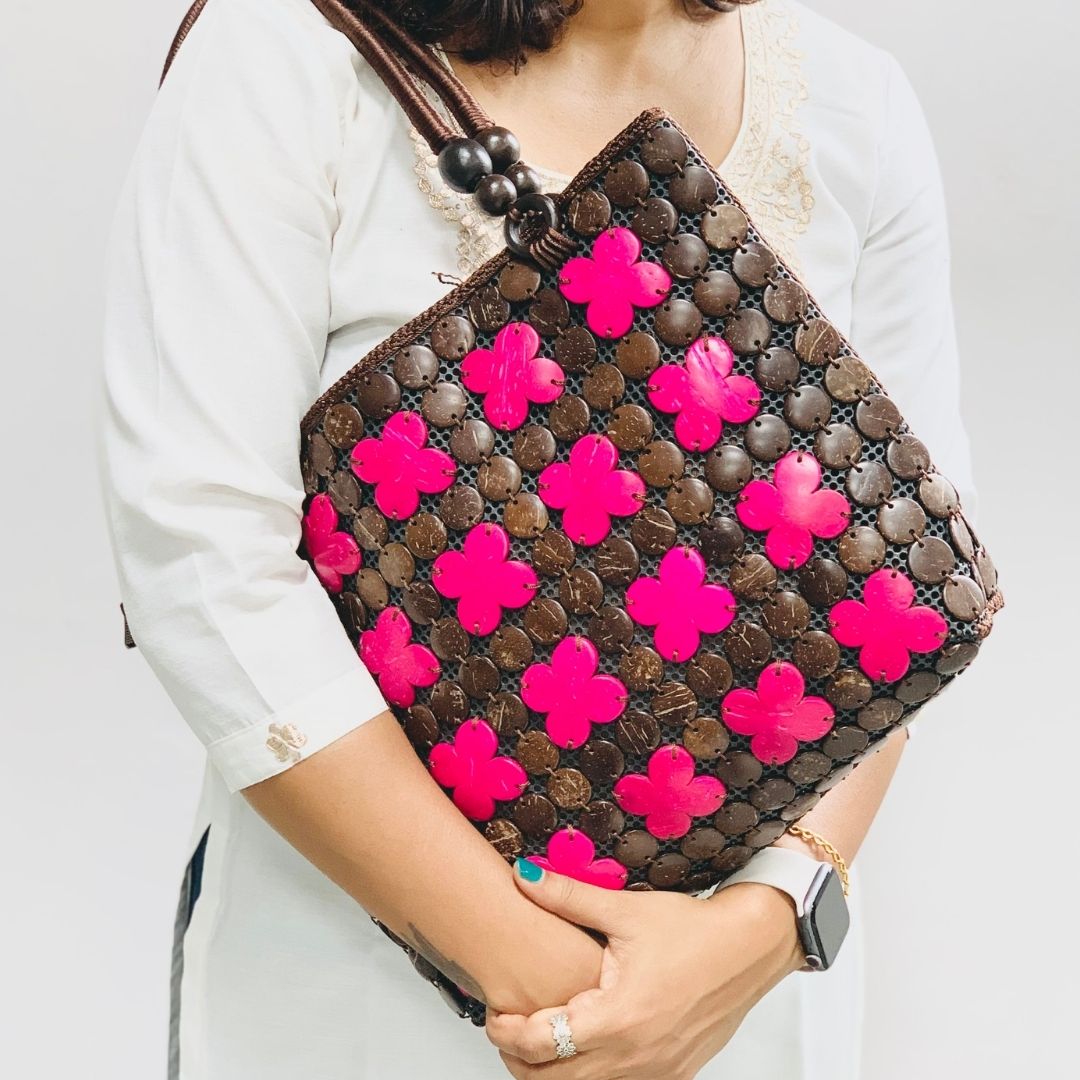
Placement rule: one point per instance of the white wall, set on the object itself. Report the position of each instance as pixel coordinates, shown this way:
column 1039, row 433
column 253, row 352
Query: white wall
column 972, row 930
column 972, row 953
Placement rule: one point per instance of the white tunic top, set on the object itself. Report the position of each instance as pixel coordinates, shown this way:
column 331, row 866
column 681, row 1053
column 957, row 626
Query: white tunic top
column 280, row 218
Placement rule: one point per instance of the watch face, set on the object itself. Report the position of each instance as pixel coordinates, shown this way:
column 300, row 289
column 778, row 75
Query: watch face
column 827, row 915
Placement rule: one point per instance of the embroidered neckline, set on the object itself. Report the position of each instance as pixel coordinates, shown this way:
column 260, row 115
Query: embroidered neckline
column 765, row 167
column 770, row 177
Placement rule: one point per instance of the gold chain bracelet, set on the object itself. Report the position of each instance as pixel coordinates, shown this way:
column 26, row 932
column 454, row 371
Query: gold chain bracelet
column 837, row 858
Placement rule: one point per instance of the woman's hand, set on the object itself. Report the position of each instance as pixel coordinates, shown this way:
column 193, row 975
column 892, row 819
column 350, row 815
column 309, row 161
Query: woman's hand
column 677, row 977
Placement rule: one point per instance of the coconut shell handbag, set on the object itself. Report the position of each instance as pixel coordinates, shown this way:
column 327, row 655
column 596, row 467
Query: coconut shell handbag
column 642, row 555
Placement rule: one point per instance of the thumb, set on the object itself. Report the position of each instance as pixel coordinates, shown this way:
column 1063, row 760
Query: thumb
column 589, row 905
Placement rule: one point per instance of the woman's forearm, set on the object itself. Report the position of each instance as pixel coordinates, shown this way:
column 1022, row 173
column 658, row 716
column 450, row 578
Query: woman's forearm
column 846, row 811
column 365, row 812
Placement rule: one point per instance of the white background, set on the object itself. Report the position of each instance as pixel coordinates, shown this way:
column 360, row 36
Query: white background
column 970, row 869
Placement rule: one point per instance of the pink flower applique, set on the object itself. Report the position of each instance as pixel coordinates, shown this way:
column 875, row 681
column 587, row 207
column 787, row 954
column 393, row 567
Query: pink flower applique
column 572, row 853
column 572, row 694
column 704, row 393
column 510, row 375
column 333, row 553
column 777, row 715
column 482, row 579
column 613, row 282
column 671, row 795
column 885, row 625
column 401, row 466
column 589, row 489
column 793, row 509
column 398, row 664
column 470, row 767
column 679, row 604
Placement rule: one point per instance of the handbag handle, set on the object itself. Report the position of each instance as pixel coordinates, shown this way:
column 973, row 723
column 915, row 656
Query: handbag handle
column 397, row 58
column 532, row 218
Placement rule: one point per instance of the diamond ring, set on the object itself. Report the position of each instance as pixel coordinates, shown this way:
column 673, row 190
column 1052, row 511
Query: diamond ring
column 560, row 1030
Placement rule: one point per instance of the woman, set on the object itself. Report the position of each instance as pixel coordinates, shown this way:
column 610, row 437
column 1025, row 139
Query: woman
column 281, row 218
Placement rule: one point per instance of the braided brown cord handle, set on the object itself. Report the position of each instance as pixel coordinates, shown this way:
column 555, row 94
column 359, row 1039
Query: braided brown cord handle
column 397, row 58
column 468, row 111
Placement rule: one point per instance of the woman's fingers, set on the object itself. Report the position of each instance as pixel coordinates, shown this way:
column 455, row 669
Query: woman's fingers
column 580, row 902
column 531, row 1038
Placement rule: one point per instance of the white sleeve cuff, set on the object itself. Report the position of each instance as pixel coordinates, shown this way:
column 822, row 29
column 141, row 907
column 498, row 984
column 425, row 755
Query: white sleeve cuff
column 297, row 731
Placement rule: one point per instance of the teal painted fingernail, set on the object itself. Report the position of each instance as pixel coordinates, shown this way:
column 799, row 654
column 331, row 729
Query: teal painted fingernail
column 528, row 870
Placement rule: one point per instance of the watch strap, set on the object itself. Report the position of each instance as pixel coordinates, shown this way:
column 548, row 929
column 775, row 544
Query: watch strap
column 789, row 870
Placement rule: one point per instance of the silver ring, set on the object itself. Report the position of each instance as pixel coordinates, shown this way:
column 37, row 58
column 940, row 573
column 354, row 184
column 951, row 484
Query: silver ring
column 560, row 1030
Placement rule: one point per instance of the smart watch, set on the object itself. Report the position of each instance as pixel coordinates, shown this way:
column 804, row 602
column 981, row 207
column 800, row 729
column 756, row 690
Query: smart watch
column 815, row 886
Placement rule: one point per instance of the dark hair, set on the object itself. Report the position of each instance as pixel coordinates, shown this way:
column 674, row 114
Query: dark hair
column 501, row 29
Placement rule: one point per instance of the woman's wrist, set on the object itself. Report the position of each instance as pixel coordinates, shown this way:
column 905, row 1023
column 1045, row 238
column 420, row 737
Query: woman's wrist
column 567, row 962
column 772, row 943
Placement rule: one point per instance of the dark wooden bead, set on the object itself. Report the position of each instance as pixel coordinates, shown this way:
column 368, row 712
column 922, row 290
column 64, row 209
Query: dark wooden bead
column 494, row 194
column 502, row 146
column 463, row 162
column 524, row 177
column 549, row 313
column 534, row 815
column 344, row 492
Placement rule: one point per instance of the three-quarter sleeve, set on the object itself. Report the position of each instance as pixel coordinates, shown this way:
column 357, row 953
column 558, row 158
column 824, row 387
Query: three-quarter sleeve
column 903, row 322
column 217, row 314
